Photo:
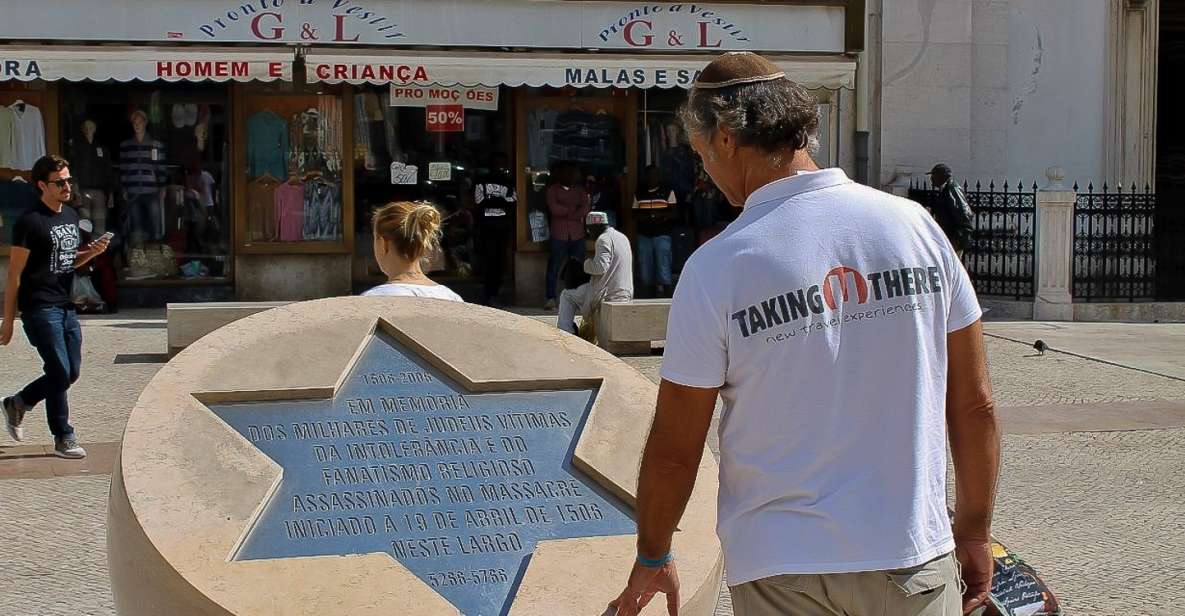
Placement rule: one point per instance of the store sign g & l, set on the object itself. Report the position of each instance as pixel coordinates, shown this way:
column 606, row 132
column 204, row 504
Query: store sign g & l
column 673, row 26
column 303, row 21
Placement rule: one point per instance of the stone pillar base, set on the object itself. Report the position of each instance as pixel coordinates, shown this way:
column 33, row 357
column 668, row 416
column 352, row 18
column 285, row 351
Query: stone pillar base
column 1048, row 309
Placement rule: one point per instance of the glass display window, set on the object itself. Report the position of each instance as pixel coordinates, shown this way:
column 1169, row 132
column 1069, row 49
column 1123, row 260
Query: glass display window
column 150, row 164
column 577, row 138
column 399, row 155
column 297, row 174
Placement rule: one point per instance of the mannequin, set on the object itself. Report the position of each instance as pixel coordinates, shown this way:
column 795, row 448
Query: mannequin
column 142, row 178
column 671, row 134
column 90, row 163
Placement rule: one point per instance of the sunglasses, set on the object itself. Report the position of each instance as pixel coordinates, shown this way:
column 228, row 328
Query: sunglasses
column 62, row 183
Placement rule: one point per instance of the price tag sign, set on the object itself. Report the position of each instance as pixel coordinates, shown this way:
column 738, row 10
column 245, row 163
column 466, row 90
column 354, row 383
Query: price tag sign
column 445, row 118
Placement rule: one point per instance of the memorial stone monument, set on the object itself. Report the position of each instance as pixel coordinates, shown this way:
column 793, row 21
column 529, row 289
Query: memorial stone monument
column 390, row 456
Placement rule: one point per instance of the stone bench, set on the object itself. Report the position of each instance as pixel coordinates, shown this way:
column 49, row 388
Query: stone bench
column 186, row 323
column 628, row 328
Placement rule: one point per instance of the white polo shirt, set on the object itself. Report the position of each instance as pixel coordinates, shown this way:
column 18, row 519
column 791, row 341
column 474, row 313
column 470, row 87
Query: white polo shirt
column 822, row 312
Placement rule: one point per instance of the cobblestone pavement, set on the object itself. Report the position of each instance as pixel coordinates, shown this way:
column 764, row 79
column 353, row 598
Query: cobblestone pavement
column 1100, row 514
column 53, row 559
column 1102, row 517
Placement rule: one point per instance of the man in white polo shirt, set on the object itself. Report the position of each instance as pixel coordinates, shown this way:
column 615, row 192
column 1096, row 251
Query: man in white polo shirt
column 843, row 335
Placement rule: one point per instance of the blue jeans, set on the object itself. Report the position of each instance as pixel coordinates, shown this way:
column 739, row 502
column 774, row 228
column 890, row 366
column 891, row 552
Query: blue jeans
column 652, row 251
column 58, row 339
column 144, row 212
column 560, row 251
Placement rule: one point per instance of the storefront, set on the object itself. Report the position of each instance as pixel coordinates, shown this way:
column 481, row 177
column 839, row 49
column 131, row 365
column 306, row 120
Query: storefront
column 237, row 148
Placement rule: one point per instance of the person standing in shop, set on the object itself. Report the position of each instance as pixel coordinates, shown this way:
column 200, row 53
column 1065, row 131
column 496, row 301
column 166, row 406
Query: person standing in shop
column 496, row 201
column 656, row 210
column 46, row 252
column 567, row 203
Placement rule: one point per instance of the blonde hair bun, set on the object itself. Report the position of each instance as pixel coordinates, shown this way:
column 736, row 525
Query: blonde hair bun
column 412, row 226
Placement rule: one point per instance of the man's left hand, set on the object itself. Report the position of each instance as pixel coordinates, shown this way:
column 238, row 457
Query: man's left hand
column 644, row 583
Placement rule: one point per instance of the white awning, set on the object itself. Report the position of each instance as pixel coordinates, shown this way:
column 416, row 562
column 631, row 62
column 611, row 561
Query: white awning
column 99, row 63
column 537, row 70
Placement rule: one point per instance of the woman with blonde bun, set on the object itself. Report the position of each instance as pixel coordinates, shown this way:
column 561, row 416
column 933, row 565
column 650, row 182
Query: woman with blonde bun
column 404, row 232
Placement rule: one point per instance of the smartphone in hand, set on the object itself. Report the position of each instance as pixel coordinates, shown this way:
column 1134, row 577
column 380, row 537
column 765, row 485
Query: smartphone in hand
column 106, row 237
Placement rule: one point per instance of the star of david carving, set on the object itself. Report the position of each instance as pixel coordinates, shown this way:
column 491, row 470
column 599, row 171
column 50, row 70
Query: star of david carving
column 456, row 480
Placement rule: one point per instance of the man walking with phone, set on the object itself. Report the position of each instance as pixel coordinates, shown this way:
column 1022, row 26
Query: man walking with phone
column 45, row 254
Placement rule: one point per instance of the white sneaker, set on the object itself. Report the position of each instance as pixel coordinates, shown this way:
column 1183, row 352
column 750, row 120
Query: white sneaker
column 13, row 417
column 69, row 448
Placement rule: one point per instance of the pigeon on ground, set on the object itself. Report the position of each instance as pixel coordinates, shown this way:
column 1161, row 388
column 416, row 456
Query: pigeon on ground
column 1040, row 346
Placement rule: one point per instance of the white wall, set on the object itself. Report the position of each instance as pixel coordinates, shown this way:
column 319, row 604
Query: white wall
column 998, row 89
column 1056, row 77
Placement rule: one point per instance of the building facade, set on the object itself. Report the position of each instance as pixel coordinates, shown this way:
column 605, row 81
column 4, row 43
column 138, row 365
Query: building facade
column 237, row 148
column 1004, row 89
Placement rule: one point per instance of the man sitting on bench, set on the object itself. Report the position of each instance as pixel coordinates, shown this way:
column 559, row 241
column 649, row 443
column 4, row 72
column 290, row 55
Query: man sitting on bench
column 611, row 268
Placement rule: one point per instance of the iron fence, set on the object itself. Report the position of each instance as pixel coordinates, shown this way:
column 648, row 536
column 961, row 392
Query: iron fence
column 1115, row 244
column 1002, row 252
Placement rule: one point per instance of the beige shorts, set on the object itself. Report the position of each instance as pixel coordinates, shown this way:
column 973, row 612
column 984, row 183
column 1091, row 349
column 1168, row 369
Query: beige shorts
column 929, row 589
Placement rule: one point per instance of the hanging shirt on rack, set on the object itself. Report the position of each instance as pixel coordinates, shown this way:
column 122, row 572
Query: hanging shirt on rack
column 261, row 203
column 322, row 210
column 289, row 214
column 29, row 131
column 267, row 145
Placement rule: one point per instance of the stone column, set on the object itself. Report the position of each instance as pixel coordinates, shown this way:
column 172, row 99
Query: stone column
column 1055, row 249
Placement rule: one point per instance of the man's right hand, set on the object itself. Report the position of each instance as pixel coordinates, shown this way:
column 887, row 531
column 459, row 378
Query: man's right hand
column 975, row 558
column 5, row 332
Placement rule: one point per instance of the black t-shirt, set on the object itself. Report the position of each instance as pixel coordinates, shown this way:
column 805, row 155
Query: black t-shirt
column 52, row 240
column 656, row 210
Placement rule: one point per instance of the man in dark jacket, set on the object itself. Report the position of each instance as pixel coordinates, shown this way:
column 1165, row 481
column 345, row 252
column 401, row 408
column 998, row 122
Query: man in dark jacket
column 951, row 210
column 496, row 203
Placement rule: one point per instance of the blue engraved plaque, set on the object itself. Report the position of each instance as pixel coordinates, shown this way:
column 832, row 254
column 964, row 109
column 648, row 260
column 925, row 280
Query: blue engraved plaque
column 458, row 486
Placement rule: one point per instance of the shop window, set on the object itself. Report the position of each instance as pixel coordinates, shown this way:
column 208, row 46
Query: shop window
column 296, row 172
column 402, row 154
column 676, row 205
column 581, row 132
column 24, row 124
column 150, row 165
